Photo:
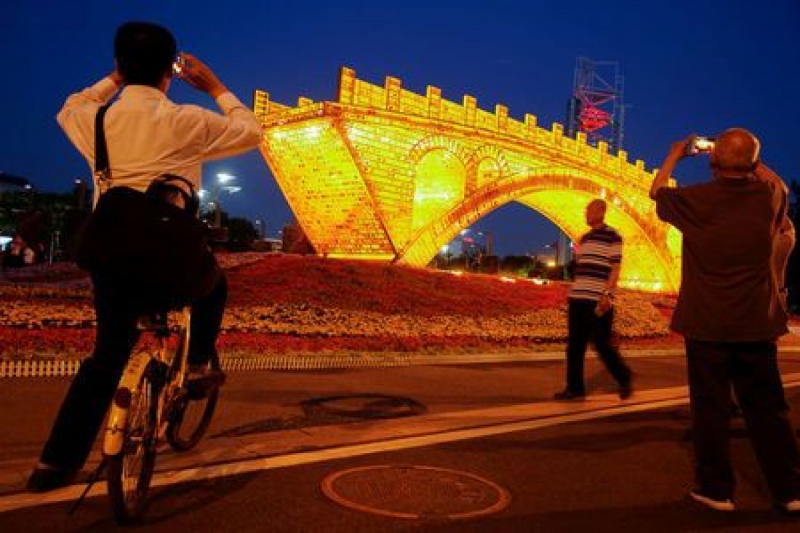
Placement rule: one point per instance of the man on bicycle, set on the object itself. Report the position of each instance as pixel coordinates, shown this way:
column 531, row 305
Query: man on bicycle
column 147, row 135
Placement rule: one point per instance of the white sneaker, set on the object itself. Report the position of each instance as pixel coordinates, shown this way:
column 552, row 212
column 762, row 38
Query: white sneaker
column 791, row 507
column 718, row 505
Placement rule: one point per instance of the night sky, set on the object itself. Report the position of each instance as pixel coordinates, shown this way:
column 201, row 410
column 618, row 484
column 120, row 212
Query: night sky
column 689, row 66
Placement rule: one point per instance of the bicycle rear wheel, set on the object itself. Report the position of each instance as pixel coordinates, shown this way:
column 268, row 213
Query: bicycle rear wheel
column 192, row 414
column 130, row 471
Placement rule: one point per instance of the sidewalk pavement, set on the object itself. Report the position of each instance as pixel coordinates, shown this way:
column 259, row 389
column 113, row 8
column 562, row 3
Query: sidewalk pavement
column 473, row 403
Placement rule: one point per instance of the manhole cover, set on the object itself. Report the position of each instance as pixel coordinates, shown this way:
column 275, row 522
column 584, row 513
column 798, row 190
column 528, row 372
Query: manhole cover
column 415, row 492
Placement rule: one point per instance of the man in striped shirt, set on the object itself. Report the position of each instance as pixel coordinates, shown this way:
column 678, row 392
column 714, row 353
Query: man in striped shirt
column 591, row 310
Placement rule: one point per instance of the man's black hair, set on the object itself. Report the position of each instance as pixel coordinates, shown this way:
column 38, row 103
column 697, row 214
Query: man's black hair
column 144, row 52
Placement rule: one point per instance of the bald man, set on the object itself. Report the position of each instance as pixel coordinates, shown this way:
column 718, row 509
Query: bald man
column 736, row 239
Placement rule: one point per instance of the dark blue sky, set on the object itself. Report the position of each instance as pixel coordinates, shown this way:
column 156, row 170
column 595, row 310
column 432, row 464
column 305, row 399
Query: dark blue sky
column 689, row 66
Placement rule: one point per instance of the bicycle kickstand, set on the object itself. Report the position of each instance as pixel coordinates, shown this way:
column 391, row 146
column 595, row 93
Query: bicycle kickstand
column 93, row 477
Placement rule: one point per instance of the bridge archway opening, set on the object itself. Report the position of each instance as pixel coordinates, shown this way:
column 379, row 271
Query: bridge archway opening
column 640, row 270
column 563, row 200
column 516, row 229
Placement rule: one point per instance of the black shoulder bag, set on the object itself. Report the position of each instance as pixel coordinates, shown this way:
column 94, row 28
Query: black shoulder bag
column 144, row 239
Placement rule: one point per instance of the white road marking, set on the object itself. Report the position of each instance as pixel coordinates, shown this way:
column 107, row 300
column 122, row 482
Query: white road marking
column 595, row 407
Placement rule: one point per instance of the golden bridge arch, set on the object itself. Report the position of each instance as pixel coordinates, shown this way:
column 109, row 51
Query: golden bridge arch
column 387, row 174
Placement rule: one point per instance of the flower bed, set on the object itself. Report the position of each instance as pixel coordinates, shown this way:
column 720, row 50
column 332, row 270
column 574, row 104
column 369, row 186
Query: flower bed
column 283, row 303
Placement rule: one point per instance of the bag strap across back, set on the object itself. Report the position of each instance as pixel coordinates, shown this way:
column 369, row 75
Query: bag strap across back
column 102, row 167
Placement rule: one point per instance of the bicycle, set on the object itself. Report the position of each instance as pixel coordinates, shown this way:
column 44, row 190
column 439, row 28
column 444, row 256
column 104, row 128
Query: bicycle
column 154, row 403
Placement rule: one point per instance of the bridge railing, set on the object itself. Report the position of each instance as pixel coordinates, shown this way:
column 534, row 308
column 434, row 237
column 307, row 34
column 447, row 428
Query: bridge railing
column 392, row 97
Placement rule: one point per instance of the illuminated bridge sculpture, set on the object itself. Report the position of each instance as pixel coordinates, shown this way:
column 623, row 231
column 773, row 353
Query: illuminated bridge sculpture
column 384, row 173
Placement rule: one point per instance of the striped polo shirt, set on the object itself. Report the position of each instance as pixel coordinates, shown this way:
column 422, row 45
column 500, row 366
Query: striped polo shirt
column 598, row 252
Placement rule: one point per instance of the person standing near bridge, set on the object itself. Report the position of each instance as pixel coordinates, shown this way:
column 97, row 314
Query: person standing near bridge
column 736, row 241
column 590, row 305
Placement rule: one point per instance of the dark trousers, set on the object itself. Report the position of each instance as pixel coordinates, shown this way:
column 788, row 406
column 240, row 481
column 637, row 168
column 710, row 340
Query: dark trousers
column 118, row 306
column 584, row 325
column 752, row 369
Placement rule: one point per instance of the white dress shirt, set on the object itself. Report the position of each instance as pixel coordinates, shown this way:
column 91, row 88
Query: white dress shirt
column 148, row 135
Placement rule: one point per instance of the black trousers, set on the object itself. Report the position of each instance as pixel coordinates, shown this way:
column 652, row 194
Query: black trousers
column 118, row 306
column 751, row 368
column 584, row 326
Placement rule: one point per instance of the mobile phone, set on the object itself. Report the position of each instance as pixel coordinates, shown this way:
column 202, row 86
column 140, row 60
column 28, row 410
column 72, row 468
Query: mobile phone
column 177, row 65
column 700, row 145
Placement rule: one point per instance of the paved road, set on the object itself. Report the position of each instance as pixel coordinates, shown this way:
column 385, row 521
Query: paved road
column 440, row 448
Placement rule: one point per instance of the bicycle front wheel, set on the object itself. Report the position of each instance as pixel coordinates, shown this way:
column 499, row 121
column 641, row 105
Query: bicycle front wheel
column 130, row 470
column 192, row 413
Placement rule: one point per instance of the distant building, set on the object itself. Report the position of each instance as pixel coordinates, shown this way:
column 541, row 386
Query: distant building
column 564, row 249
column 268, row 245
column 11, row 183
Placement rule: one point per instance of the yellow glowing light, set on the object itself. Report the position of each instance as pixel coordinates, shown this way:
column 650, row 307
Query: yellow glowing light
column 387, row 174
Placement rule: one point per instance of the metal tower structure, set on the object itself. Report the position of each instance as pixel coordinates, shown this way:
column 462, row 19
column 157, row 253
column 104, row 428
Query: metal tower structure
column 596, row 107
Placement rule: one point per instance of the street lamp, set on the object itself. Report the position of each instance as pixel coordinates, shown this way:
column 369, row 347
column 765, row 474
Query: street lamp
column 80, row 194
column 30, row 191
column 222, row 183
column 223, row 178
column 483, row 241
column 261, row 229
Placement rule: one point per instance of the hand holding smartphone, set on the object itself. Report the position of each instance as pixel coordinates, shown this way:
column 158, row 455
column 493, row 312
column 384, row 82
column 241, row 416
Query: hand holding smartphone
column 700, row 145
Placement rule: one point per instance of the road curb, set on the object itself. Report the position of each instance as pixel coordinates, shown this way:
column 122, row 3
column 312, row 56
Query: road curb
column 53, row 368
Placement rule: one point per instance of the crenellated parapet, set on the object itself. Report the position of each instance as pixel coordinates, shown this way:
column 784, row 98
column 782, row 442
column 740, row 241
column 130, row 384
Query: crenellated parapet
column 385, row 173
column 393, row 97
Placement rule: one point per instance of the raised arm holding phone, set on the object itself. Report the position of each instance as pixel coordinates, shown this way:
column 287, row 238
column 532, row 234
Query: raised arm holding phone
column 731, row 310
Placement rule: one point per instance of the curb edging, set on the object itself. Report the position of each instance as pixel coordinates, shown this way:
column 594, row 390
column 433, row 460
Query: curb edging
column 53, row 368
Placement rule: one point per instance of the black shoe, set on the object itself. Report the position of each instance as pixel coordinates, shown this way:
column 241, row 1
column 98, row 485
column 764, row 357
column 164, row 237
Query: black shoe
column 567, row 394
column 47, row 479
column 625, row 391
column 724, row 504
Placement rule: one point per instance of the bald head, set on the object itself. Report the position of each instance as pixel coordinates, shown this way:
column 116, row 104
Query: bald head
column 735, row 152
column 596, row 213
